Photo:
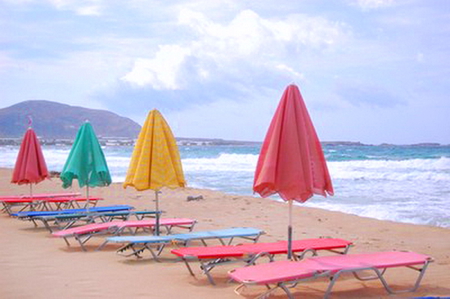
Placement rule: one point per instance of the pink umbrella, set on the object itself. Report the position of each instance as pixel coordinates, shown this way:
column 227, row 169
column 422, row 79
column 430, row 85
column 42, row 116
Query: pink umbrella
column 291, row 162
column 30, row 164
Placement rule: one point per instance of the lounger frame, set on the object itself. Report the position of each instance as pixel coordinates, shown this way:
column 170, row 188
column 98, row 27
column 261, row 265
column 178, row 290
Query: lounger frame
column 334, row 276
column 35, row 202
column 138, row 247
column 117, row 228
column 66, row 221
column 250, row 258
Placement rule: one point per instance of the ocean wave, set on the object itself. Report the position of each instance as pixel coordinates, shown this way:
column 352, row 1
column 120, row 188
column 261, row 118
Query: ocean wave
column 404, row 170
column 224, row 162
column 405, row 189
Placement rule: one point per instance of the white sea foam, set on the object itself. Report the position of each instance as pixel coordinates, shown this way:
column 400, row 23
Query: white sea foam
column 409, row 190
column 416, row 169
column 224, row 162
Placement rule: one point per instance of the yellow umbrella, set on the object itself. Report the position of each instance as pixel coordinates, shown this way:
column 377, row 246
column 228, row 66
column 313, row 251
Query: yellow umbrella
column 155, row 162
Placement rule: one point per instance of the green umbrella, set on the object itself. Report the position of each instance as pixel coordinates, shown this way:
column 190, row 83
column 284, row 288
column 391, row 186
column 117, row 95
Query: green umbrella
column 86, row 162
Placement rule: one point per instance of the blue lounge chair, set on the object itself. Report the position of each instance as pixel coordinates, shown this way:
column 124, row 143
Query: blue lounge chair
column 31, row 214
column 138, row 244
column 37, row 215
column 65, row 221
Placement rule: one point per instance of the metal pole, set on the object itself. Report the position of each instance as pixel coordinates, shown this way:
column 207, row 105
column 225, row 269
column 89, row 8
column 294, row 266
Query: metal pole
column 157, row 213
column 31, row 196
column 87, row 196
column 289, row 256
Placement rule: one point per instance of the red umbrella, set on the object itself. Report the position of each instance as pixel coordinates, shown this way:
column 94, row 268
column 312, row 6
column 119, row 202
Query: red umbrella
column 30, row 164
column 291, row 162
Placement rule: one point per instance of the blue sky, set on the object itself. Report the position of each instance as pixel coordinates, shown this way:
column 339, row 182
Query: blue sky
column 373, row 71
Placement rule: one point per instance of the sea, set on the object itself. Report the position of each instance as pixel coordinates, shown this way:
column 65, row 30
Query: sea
column 408, row 184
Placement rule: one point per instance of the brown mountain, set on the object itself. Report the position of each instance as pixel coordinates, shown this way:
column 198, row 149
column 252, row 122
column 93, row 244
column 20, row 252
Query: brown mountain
column 53, row 120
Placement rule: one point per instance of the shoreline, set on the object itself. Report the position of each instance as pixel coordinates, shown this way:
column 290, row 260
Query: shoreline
column 190, row 141
column 36, row 265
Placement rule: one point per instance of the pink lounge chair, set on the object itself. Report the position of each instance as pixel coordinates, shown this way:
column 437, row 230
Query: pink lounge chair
column 85, row 232
column 286, row 274
column 210, row 257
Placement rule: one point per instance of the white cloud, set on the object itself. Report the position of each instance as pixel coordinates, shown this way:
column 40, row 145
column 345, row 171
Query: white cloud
column 80, row 7
column 420, row 57
column 247, row 43
column 161, row 72
column 374, row 4
column 294, row 73
column 6, row 62
column 91, row 10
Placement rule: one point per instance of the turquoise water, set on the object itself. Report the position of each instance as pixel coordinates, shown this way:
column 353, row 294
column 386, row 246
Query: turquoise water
column 399, row 183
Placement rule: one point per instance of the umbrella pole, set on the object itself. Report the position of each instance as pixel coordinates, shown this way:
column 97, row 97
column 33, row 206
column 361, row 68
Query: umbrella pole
column 87, row 198
column 31, row 195
column 290, row 231
column 157, row 213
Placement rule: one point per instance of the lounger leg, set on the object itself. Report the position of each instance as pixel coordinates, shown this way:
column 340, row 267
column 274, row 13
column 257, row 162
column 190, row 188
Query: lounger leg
column 188, row 266
column 264, row 295
column 252, row 259
column 270, row 290
column 379, row 275
column 206, row 269
column 303, row 254
column 34, row 222
column 136, row 252
column 155, row 255
column 102, row 245
column 67, row 242
column 82, row 242
column 286, row 290
column 6, row 208
column 47, row 226
column 414, row 288
column 169, row 229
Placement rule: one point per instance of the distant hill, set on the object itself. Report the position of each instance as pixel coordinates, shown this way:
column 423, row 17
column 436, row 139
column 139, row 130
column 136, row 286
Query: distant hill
column 61, row 121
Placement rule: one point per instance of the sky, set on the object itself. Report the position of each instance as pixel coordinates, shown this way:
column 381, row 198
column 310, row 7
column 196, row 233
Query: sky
column 370, row 71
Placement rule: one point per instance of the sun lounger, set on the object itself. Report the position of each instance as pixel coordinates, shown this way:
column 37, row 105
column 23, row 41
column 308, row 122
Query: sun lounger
column 211, row 257
column 287, row 274
column 35, row 216
column 84, row 233
column 31, row 214
column 40, row 195
column 138, row 244
column 31, row 203
column 23, row 203
column 46, row 204
column 61, row 203
column 65, row 221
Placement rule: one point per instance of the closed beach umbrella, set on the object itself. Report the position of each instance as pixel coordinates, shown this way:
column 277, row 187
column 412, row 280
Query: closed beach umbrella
column 155, row 162
column 291, row 162
column 86, row 162
column 30, row 165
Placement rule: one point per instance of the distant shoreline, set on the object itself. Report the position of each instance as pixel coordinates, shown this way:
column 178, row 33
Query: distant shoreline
column 184, row 141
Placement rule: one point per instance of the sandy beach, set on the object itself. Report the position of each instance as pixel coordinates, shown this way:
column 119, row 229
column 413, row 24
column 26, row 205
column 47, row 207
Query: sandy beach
column 35, row 265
